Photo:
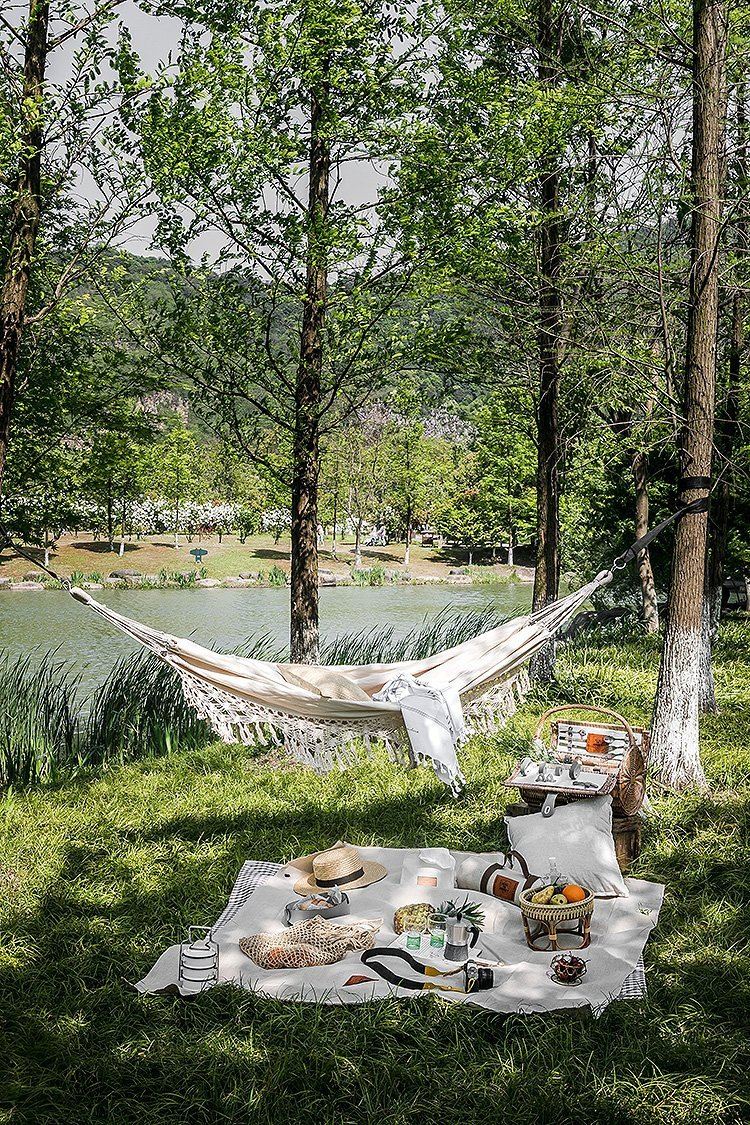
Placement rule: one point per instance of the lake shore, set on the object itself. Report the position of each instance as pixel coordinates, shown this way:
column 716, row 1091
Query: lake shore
column 154, row 562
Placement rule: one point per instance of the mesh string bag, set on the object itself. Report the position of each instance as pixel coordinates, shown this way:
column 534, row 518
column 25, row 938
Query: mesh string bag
column 309, row 943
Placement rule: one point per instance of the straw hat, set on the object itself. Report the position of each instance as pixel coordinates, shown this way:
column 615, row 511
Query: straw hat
column 340, row 867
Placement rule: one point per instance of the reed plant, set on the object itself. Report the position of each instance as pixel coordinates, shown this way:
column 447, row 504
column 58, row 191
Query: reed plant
column 40, row 735
column 140, row 709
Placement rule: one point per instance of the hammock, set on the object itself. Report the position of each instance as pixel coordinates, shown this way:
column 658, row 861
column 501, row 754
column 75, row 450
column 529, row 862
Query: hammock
column 245, row 700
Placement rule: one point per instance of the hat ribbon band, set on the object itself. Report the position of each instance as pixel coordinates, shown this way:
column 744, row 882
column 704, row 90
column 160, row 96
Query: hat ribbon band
column 340, row 880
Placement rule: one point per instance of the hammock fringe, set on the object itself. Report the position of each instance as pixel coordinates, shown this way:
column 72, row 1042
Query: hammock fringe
column 323, row 746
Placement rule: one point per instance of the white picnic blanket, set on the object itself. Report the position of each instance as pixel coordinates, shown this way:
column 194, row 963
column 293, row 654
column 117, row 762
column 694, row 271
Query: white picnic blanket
column 620, row 929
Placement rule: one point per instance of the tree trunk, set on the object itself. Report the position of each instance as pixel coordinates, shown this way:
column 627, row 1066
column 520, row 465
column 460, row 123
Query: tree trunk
column 176, row 524
column 305, row 636
column 110, row 518
column 357, row 548
column 649, row 604
column 547, row 574
column 24, row 216
column 726, row 429
column 123, row 518
column 407, row 550
column 675, row 745
column 335, row 521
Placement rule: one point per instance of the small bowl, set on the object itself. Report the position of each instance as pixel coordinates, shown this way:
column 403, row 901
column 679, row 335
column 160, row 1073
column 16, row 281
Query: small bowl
column 566, row 968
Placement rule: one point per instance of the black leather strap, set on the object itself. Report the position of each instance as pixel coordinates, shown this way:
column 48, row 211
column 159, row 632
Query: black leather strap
column 691, row 484
column 393, row 978
column 372, row 956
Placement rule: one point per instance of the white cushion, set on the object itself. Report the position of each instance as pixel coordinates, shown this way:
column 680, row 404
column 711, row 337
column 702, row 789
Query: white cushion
column 324, row 681
column 579, row 836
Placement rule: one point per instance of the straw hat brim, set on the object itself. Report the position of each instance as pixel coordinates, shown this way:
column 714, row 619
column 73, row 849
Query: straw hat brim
column 372, row 873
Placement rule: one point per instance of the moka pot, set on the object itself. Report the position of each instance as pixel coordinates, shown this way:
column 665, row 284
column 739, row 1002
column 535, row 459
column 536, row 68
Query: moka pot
column 459, row 938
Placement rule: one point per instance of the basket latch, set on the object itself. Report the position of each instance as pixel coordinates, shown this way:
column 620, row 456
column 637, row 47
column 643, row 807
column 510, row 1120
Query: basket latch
column 549, row 804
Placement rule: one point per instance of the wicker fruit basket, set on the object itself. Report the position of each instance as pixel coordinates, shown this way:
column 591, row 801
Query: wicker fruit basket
column 542, row 922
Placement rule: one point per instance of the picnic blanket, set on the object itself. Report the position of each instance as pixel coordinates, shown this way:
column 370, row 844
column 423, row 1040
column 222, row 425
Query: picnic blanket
column 620, row 930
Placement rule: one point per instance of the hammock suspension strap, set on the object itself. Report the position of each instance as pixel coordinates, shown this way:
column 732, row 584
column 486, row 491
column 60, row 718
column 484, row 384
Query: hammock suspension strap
column 696, row 506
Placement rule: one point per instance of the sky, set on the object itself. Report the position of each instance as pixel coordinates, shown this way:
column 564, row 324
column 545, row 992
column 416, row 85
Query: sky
column 153, row 39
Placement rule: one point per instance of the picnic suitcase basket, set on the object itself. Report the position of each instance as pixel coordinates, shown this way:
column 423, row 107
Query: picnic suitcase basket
column 616, row 750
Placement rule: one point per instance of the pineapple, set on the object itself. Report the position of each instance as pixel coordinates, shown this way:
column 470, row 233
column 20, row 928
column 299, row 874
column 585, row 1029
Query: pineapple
column 416, row 915
column 469, row 912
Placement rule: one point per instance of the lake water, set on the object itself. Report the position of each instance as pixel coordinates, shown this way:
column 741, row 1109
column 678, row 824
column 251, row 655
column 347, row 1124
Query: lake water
column 38, row 622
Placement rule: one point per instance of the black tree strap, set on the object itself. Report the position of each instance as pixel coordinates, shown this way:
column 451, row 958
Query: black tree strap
column 694, row 484
column 696, row 506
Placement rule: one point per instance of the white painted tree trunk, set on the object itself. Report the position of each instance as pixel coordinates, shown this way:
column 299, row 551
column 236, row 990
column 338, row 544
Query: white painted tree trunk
column 407, row 553
column 510, row 555
column 675, row 748
column 357, row 546
column 46, row 556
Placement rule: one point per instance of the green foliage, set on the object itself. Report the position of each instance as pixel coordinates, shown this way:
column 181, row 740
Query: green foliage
column 39, row 727
column 277, row 576
column 369, row 576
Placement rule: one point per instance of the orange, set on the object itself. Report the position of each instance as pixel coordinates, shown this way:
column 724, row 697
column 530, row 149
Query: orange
column 574, row 893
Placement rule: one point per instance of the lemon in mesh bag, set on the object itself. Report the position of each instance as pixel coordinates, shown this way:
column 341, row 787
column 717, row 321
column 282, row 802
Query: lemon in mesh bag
column 309, row 943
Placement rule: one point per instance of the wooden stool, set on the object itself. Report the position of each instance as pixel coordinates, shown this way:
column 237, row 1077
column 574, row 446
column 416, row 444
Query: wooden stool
column 548, row 932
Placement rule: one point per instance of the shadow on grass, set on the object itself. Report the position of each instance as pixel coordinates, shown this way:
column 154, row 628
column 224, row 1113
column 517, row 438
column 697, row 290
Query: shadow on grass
column 81, row 1047
column 100, row 547
column 270, row 553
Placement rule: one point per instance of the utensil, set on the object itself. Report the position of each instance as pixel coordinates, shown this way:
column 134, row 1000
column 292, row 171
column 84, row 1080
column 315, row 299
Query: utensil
column 198, row 965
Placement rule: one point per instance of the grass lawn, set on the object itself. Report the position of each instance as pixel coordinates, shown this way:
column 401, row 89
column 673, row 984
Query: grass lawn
column 258, row 553
column 98, row 875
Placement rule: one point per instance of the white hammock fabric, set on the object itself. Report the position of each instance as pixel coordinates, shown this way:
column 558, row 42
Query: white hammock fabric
column 245, row 700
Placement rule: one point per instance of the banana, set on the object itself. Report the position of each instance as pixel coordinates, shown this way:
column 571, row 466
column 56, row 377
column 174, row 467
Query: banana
column 544, row 896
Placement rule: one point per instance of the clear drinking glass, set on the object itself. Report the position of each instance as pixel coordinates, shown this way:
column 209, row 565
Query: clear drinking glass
column 438, row 924
column 413, row 938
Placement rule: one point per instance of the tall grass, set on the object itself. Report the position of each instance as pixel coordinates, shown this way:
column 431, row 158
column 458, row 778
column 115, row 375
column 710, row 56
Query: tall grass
column 39, row 731
column 140, row 708
column 445, row 629
column 49, row 730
